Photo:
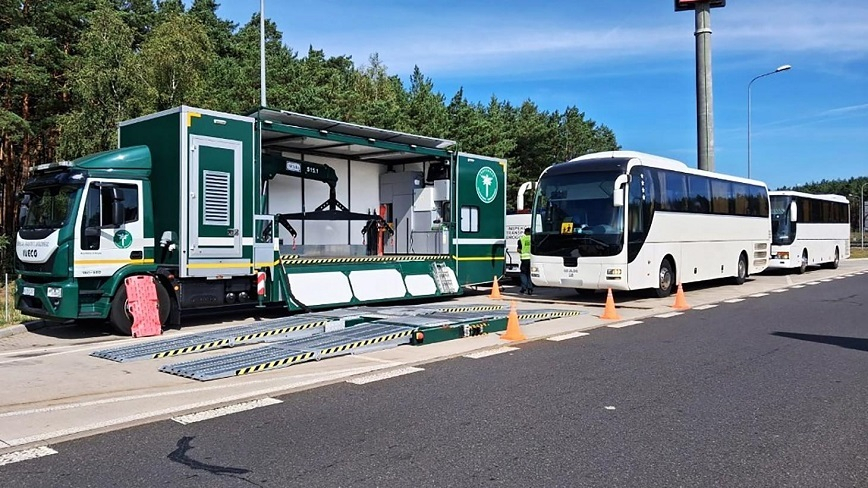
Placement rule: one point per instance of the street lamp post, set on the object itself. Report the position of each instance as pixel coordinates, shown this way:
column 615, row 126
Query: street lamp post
column 778, row 70
column 862, row 216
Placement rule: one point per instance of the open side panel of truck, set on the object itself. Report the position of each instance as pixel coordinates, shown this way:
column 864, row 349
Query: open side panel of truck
column 479, row 208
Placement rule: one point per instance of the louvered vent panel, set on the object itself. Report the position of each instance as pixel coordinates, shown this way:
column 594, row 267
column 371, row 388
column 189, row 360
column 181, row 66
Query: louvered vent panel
column 216, row 184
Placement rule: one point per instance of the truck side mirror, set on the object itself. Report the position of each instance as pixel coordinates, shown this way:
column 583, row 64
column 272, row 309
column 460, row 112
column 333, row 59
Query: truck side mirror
column 618, row 193
column 794, row 212
column 118, row 212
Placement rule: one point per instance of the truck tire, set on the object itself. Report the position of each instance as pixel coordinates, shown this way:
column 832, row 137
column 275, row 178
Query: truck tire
column 120, row 318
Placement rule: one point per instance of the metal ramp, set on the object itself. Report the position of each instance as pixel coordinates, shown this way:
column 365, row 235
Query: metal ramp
column 270, row 330
column 355, row 339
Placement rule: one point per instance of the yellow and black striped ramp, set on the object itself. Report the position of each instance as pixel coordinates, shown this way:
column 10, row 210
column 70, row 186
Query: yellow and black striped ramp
column 269, row 330
column 471, row 308
column 394, row 258
column 362, row 337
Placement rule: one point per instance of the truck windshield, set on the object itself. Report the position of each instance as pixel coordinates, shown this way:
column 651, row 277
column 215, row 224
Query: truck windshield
column 783, row 231
column 48, row 207
column 574, row 216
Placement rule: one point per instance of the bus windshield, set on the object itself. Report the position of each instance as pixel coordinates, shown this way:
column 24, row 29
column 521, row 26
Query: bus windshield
column 783, row 231
column 574, row 216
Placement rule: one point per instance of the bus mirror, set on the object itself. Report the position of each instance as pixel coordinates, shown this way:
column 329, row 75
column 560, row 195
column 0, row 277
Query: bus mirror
column 618, row 193
column 794, row 212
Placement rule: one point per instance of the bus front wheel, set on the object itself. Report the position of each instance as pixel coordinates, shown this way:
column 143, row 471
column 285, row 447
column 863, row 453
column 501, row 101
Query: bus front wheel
column 665, row 280
column 804, row 264
column 741, row 273
column 119, row 315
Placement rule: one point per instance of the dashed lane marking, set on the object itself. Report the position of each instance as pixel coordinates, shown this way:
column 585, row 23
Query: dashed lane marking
column 780, row 290
column 564, row 337
column 625, row 324
column 705, row 307
column 363, row 380
column 812, row 283
column 826, row 280
column 25, row 455
column 667, row 315
column 490, row 352
column 797, row 286
column 227, row 410
column 734, row 300
column 758, row 295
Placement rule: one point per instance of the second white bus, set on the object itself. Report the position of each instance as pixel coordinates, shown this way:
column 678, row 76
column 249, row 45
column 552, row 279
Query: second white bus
column 627, row 220
column 809, row 230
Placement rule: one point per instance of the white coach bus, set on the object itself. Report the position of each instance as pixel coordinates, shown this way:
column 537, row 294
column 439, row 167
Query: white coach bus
column 809, row 230
column 628, row 221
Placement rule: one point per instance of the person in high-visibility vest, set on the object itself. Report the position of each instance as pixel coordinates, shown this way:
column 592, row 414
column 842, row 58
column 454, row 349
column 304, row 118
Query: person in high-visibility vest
column 524, row 270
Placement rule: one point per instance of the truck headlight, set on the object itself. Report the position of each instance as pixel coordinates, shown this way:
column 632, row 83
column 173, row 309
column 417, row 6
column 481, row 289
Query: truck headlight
column 54, row 292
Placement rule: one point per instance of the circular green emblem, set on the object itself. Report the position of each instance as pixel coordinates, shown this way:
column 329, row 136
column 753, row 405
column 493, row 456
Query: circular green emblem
column 486, row 184
column 123, row 239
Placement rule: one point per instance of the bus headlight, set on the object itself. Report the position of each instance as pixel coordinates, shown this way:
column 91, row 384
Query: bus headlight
column 614, row 272
column 534, row 269
column 783, row 255
column 54, row 292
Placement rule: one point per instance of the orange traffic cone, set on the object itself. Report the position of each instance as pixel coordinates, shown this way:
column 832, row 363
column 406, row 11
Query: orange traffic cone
column 680, row 301
column 609, row 313
column 495, row 290
column 513, row 330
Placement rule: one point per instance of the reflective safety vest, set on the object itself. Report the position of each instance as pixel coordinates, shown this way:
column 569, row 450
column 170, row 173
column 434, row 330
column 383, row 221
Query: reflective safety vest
column 524, row 240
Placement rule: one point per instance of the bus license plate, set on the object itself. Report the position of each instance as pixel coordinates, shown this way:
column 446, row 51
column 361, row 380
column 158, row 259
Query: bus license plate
column 28, row 291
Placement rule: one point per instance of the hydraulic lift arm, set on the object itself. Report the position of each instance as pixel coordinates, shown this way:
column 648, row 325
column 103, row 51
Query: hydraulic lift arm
column 331, row 209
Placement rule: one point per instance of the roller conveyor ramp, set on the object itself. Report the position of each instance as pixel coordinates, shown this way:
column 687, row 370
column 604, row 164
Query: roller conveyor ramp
column 359, row 338
column 269, row 330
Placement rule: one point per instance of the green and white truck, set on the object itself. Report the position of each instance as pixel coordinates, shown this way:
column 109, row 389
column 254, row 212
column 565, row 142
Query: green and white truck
column 212, row 204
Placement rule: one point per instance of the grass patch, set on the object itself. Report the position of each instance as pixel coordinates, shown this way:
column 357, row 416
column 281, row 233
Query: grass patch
column 7, row 296
column 855, row 253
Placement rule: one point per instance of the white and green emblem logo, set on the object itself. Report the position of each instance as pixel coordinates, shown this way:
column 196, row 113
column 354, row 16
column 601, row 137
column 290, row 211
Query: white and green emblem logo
column 123, row 239
column 486, row 184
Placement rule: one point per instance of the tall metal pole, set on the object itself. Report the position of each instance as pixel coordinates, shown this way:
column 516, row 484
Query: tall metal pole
column 862, row 216
column 704, row 103
column 262, row 52
column 784, row 67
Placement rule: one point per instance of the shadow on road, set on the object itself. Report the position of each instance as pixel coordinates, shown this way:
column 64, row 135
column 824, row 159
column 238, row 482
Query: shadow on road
column 856, row 343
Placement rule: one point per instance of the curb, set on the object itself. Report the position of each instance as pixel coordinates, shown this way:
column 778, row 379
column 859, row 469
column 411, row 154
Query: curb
column 21, row 328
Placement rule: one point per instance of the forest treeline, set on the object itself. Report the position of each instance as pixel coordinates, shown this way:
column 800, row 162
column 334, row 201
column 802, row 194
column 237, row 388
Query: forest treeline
column 70, row 70
column 850, row 188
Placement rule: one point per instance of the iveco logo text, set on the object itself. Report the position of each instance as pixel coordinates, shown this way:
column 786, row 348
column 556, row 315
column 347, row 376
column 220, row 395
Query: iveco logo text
column 29, row 253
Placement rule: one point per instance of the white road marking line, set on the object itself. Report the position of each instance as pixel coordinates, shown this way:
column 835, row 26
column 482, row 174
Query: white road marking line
column 826, row 280
column 25, row 455
column 734, row 300
column 313, row 378
column 705, row 307
column 839, row 277
column 758, row 295
column 780, row 290
column 384, row 375
column 564, row 337
column 227, row 410
column 280, row 388
column 490, row 352
column 798, row 286
column 609, row 407
column 812, row 283
column 625, row 324
column 667, row 315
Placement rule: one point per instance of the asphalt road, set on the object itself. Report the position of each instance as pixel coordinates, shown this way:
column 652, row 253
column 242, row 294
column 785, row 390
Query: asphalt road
column 771, row 391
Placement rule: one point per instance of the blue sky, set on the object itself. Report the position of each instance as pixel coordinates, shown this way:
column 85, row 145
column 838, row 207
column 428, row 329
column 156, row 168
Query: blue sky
column 629, row 65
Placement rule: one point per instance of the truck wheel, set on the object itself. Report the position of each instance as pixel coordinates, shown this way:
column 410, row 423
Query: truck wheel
column 120, row 318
